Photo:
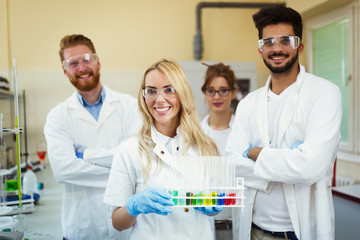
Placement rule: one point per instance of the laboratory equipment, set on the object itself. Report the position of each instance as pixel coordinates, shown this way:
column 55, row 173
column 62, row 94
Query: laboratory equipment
column 41, row 155
column 41, row 152
column 3, row 172
column 197, row 181
column 4, row 209
column 19, row 209
column 29, row 181
column 17, row 131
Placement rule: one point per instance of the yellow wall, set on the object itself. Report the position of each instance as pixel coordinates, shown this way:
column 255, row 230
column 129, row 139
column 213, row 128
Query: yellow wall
column 312, row 8
column 3, row 36
column 304, row 5
column 128, row 36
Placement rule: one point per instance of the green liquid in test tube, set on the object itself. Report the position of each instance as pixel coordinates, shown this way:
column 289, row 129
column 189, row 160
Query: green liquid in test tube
column 175, row 194
column 214, row 194
column 194, row 200
column 201, row 200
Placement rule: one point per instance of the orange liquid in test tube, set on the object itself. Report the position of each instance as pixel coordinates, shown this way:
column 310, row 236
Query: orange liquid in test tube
column 41, row 155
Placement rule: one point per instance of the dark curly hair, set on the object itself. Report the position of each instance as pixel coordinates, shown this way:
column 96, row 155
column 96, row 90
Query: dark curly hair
column 278, row 14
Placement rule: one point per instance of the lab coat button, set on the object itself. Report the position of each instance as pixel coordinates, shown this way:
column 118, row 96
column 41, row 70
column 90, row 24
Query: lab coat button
column 177, row 148
column 162, row 152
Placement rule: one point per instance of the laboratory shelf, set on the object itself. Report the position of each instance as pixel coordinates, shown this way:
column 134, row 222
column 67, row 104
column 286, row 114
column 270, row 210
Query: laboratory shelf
column 6, row 94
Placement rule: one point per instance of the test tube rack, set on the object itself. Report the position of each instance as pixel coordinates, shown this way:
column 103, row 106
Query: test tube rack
column 196, row 181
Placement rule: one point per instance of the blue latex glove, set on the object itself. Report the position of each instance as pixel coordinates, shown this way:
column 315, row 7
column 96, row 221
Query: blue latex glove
column 209, row 210
column 296, row 144
column 245, row 154
column 79, row 154
column 151, row 200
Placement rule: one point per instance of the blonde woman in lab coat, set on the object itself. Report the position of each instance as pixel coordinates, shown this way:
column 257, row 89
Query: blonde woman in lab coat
column 140, row 167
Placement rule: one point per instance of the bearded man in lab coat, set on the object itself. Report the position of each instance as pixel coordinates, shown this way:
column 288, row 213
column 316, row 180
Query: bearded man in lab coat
column 286, row 136
column 82, row 133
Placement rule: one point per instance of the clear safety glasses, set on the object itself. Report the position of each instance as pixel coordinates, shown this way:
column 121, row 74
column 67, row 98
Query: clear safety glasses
column 212, row 92
column 284, row 41
column 73, row 63
column 152, row 93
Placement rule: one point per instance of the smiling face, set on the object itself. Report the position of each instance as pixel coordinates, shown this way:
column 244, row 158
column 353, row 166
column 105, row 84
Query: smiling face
column 85, row 77
column 165, row 111
column 279, row 59
column 217, row 103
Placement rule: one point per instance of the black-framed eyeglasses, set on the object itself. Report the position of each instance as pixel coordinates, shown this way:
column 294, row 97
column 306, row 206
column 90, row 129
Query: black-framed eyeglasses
column 222, row 92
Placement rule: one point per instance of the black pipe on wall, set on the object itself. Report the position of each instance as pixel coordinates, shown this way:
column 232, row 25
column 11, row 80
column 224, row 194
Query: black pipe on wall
column 198, row 48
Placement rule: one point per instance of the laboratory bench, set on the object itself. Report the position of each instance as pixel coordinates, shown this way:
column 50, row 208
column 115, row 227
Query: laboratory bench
column 347, row 211
column 44, row 222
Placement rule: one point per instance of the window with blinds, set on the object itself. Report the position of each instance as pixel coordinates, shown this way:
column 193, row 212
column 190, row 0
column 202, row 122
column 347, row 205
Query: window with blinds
column 330, row 49
column 330, row 55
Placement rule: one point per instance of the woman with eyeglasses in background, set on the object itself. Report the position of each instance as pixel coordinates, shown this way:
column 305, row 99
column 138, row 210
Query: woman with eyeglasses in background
column 219, row 90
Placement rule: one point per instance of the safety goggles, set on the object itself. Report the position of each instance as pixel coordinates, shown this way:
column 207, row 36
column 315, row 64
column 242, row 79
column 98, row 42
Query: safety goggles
column 152, row 93
column 284, row 41
column 73, row 63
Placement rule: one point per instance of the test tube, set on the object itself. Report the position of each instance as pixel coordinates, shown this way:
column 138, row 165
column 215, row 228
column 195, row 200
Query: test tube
column 239, row 191
column 201, row 181
column 220, row 176
column 233, row 180
column 207, row 182
column 173, row 185
column 195, row 182
column 181, row 181
column 223, row 181
column 213, row 185
column 228, row 177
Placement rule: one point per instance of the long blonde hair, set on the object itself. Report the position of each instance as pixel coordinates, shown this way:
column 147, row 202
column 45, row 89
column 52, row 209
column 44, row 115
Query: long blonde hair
column 189, row 121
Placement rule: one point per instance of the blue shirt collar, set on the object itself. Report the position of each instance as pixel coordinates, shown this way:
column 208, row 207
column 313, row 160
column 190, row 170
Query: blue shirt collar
column 85, row 103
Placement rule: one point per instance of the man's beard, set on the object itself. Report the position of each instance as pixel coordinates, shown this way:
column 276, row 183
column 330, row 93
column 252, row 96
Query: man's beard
column 87, row 85
column 285, row 68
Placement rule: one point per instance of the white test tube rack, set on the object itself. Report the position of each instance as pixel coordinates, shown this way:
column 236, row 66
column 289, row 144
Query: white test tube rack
column 210, row 181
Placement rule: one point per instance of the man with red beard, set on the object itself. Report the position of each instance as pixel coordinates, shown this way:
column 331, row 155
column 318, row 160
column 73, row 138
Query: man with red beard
column 286, row 136
column 82, row 133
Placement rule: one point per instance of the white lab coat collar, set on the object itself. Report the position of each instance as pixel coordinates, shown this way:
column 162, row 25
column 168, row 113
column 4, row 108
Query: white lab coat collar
column 105, row 112
column 287, row 114
column 160, row 148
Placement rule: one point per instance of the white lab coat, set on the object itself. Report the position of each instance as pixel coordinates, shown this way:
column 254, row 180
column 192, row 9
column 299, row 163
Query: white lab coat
column 71, row 128
column 127, row 178
column 311, row 115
